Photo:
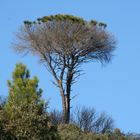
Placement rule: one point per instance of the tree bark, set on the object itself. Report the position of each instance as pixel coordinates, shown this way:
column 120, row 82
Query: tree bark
column 66, row 106
column 68, row 92
column 67, row 117
column 66, row 98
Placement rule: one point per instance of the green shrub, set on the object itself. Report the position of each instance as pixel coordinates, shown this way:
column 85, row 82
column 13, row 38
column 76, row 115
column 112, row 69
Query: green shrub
column 73, row 132
column 69, row 132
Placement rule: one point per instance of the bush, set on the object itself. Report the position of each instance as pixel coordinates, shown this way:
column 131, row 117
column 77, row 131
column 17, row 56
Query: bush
column 73, row 132
column 69, row 132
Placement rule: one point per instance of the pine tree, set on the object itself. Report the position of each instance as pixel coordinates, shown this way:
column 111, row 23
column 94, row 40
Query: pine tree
column 24, row 114
column 63, row 43
column 24, row 91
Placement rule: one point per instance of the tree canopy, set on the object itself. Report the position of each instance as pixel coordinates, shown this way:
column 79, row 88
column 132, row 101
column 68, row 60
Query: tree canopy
column 63, row 43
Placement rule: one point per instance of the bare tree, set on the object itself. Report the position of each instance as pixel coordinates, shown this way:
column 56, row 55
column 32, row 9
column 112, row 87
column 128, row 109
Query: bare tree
column 84, row 118
column 63, row 43
column 89, row 121
column 103, row 123
column 56, row 117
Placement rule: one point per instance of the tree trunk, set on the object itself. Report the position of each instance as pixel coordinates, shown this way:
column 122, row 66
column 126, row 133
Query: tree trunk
column 66, row 108
column 65, row 95
column 67, row 111
column 65, row 102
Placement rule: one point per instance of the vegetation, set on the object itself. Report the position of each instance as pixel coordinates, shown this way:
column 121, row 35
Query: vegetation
column 72, row 132
column 87, row 119
column 24, row 115
column 63, row 43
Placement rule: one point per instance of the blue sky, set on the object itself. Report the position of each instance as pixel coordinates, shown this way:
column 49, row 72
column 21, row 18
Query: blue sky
column 114, row 88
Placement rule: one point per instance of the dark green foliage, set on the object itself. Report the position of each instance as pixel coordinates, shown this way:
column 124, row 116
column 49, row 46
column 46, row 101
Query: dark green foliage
column 24, row 114
column 61, row 17
column 94, row 22
column 101, row 24
column 58, row 17
column 27, row 22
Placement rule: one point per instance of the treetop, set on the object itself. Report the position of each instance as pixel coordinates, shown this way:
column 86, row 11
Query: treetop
column 63, row 17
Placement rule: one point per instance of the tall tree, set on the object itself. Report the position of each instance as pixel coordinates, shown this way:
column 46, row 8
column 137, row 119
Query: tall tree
column 24, row 115
column 63, row 43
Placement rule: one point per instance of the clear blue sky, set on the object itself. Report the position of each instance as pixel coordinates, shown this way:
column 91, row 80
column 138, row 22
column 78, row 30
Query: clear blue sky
column 114, row 88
